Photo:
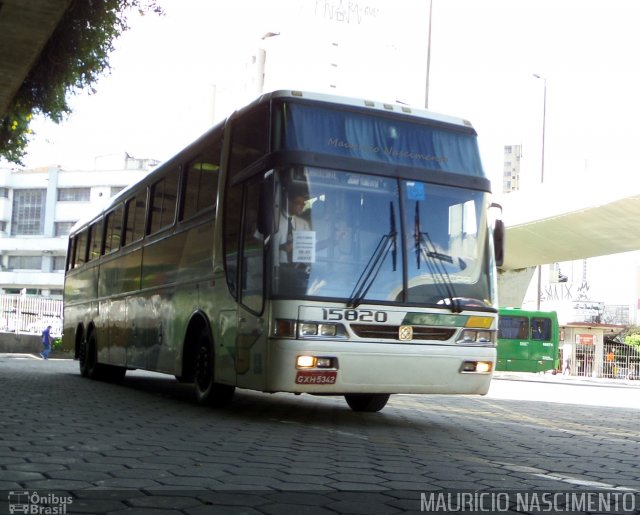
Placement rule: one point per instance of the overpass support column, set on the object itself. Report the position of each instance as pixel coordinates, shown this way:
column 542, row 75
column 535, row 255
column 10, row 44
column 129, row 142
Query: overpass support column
column 513, row 286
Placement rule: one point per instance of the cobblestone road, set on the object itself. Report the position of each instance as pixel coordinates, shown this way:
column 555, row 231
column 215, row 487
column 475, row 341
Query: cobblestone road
column 145, row 447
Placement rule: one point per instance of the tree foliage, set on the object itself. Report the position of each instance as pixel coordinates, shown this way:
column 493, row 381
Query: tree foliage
column 74, row 58
column 631, row 336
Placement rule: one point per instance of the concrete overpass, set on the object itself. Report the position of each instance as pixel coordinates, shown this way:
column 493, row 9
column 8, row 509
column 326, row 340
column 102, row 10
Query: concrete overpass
column 553, row 223
column 25, row 28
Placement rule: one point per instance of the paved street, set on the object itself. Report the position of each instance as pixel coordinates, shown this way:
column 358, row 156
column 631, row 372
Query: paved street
column 145, row 447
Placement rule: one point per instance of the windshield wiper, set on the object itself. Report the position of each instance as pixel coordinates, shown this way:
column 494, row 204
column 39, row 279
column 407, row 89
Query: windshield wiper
column 388, row 242
column 426, row 249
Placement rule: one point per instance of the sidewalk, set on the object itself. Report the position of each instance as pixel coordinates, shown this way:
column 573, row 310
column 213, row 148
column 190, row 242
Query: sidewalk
column 559, row 378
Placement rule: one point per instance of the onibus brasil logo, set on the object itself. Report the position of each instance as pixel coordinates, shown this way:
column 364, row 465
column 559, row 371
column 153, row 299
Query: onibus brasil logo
column 34, row 503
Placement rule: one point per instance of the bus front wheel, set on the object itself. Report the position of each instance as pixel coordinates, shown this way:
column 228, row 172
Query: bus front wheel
column 207, row 390
column 367, row 402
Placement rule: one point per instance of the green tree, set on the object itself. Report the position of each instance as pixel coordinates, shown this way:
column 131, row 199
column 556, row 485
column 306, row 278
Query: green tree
column 74, row 58
column 631, row 336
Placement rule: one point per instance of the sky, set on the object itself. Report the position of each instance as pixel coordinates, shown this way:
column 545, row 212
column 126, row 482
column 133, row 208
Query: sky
column 173, row 76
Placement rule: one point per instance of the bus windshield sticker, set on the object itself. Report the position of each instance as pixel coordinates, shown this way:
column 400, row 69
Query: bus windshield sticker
column 304, row 246
column 415, row 190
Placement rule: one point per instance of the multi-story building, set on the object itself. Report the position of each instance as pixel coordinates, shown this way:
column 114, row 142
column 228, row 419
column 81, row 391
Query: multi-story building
column 37, row 210
column 511, row 175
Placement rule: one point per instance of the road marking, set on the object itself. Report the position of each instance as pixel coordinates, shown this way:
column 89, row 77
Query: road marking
column 504, row 415
column 564, row 478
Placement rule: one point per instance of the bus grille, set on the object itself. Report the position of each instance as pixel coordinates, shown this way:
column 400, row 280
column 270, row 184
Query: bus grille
column 390, row 332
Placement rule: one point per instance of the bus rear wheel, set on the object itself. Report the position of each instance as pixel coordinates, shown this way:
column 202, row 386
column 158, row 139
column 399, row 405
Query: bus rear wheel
column 88, row 358
column 366, row 402
column 207, row 390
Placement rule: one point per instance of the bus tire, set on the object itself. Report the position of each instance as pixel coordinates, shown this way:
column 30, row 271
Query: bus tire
column 89, row 366
column 208, row 392
column 366, row 402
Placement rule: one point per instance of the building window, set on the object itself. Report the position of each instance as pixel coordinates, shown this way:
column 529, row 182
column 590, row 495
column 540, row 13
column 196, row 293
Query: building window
column 63, row 228
column 115, row 190
column 59, row 263
column 3, row 226
column 25, row 263
column 4, row 192
column 74, row 194
column 28, row 212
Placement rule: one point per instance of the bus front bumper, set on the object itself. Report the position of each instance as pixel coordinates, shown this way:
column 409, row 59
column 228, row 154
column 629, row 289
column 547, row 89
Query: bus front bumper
column 358, row 367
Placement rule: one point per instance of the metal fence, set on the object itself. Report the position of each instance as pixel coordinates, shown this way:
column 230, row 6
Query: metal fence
column 621, row 361
column 30, row 314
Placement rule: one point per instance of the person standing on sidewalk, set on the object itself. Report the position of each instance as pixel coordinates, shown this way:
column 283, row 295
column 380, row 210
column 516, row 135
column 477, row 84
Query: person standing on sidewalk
column 46, row 342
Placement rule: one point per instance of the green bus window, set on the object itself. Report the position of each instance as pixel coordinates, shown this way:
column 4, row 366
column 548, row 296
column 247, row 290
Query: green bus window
column 511, row 328
column 541, row 329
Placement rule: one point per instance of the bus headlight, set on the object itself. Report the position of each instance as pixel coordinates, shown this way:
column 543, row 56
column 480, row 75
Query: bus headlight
column 476, row 337
column 316, row 330
column 283, row 328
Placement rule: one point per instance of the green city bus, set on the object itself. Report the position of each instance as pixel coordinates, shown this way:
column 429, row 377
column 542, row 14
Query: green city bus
column 527, row 340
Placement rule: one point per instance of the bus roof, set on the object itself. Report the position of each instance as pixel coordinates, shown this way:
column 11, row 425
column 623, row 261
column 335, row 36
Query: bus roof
column 374, row 105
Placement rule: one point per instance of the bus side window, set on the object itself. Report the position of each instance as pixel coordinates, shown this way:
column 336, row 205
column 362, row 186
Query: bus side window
column 252, row 271
column 113, row 230
column 164, row 194
column 95, row 240
column 71, row 251
column 80, row 256
column 541, row 329
column 249, row 139
column 134, row 219
column 511, row 328
column 231, row 224
column 200, row 188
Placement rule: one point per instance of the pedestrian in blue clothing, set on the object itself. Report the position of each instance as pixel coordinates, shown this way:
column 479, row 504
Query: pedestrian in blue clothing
column 46, row 342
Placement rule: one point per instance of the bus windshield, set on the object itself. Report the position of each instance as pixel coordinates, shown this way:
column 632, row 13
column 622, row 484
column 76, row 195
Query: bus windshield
column 356, row 237
column 350, row 134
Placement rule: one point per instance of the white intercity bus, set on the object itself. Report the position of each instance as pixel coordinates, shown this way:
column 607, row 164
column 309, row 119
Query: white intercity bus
column 386, row 284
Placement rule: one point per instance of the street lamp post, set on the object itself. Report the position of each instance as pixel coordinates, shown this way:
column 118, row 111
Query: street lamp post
column 544, row 122
column 426, row 93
